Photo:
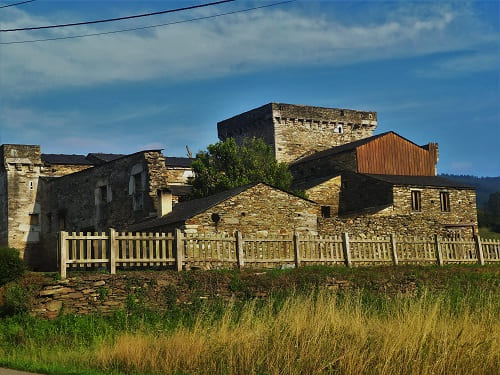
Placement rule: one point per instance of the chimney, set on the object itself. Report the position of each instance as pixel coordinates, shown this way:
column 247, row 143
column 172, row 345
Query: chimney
column 164, row 202
column 434, row 151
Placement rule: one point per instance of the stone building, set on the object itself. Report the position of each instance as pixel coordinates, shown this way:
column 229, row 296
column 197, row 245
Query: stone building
column 41, row 194
column 252, row 209
column 356, row 181
column 295, row 131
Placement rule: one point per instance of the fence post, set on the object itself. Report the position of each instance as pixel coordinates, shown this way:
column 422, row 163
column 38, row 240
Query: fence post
column 296, row 249
column 347, row 249
column 393, row 249
column 179, row 253
column 63, row 248
column 479, row 249
column 112, row 251
column 439, row 254
column 239, row 249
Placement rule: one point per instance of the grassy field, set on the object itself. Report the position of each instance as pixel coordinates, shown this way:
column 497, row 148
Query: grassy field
column 451, row 330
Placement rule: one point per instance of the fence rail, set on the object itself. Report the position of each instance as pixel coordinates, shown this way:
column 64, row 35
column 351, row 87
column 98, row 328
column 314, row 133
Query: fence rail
column 184, row 250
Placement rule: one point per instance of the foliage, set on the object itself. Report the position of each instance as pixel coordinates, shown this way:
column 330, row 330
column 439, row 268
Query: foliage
column 11, row 265
column 484, row 186
column 15, row 300
column 226, row 165
column 494, row 204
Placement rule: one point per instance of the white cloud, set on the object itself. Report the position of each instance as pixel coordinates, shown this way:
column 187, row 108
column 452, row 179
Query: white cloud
column 228, row 45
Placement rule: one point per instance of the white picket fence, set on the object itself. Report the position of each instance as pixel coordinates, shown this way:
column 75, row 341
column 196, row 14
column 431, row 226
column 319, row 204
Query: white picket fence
column 185, row 250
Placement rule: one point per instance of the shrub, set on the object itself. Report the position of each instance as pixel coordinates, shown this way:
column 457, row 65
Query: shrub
column 11, row 265
column 15, row 300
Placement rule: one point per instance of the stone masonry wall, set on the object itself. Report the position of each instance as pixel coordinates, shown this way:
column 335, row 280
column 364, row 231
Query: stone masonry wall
column 303, row 130
column 259, row 210
column 462, row 204
column 327, row 194
column 296, row 130
column 90, row 212
column 58, row 170
column 360, row 192
column 324, row 166
column 21, row 170
column 255, row 123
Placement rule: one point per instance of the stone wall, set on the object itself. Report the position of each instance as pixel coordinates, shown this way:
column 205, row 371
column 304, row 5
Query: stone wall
column 256, row 123
column 324, row 166
column 399, row 218
column 295, row 130
column 327, row 194
column 258, row 210
column 360, row 192
column 58, row 170
column 107, row 195
column 303, row 130
column 21, row 206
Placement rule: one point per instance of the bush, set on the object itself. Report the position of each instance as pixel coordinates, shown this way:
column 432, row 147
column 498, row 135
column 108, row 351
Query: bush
column 11, row 265
column 15, row 300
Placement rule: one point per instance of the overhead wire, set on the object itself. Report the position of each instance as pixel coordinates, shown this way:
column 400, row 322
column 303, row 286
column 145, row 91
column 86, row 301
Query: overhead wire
column 117, row 18
column 14, row 4
column 149, row 26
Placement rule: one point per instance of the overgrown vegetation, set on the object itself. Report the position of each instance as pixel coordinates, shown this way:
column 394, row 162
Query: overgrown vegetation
column 226, row 165
column 447, row 324
column 11, row 265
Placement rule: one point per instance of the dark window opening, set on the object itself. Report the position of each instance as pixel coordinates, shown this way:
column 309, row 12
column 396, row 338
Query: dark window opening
column 444, row 197
column 416, row 200
column 103, row 194
column 326, row 211
column 34, row 219
column 215, row 217
column 62, row 220
column 49, row 222
column 137, row 182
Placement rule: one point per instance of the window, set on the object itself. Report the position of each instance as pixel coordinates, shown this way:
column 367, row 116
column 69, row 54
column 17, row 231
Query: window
column 416, row 200
column 31, row 185
column 103, row 194
column 34, row 219
column 326, row 211
column 137, row 182
column 444, row 198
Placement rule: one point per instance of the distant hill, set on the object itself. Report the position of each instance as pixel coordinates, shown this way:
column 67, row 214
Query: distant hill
column 484, row 186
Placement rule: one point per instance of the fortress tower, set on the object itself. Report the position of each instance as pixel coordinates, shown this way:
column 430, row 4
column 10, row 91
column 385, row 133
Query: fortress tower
column 20, row 215
column 295, row 131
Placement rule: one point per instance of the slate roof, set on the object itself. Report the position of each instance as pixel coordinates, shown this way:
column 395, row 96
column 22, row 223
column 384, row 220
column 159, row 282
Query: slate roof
column 65, row 159
column 433, row 181
column 173, row 161
column 185, row 210
column 104, row 158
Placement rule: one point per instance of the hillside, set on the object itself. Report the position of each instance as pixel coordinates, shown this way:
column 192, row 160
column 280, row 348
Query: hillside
column 484, row 186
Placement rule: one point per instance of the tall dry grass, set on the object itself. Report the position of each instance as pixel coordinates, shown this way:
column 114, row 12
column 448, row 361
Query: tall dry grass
column 320, row 335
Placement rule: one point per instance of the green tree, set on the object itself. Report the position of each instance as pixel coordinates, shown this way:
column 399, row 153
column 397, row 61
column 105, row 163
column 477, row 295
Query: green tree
column 494, row 203
column 226, row 165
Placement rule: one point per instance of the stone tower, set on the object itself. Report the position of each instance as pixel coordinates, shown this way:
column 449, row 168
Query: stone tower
column 295, row 131
column 20, row 215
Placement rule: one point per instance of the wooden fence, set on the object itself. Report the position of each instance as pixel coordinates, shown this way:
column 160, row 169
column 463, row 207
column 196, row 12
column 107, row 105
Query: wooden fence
column 177, row 250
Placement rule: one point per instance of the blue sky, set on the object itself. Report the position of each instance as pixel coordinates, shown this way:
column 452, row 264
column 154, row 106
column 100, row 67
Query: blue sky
column 430, row 70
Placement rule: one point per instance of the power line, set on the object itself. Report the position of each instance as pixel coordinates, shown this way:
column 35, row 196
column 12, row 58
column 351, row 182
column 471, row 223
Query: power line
column 118, row 18
column 19, row 3
column 150, row 26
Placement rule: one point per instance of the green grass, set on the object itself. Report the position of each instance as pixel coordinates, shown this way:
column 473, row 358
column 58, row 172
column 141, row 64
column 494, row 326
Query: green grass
column 73, row 344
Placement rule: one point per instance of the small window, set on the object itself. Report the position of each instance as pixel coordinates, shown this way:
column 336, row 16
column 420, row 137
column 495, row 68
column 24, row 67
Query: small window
column 215, row 217
column 416, row 200
column 339, row 129
column 103, row 193
column 138, row 187
column 34, row 219
column 342, row 112
column 444, row 197
column 326, row 211
column 31, row 185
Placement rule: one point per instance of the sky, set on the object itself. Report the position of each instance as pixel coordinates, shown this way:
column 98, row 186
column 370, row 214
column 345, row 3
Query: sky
column 431, row 70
